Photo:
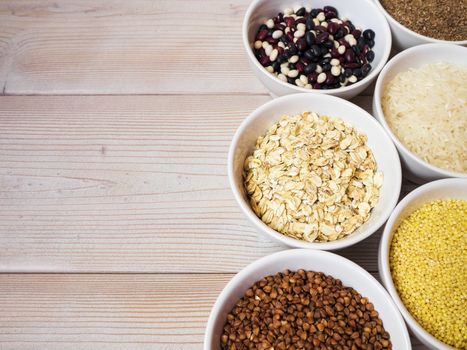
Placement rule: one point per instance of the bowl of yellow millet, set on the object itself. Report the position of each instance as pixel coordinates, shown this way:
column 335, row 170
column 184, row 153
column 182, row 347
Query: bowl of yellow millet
column 423, row 265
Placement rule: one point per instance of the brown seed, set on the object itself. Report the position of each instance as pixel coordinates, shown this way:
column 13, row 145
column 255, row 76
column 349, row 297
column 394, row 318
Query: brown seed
column 310, row 311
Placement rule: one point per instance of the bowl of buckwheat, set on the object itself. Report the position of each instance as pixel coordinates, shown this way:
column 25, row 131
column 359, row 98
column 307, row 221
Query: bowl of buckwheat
column 325, row 46
column 314, row 171
column 305, row 299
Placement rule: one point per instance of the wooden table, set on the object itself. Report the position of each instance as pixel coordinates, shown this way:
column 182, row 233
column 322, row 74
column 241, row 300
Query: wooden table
column 117, row 225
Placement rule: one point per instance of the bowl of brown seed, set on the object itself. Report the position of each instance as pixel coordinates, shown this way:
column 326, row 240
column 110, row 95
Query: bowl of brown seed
column 314, row 171
column 305, row 299
column 425, row 21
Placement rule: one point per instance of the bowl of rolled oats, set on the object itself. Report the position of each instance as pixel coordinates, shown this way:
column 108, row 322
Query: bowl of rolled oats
column 314, row 171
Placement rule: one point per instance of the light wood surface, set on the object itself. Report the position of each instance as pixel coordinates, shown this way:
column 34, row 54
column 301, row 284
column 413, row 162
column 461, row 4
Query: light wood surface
column 117, row 225
column 111, row 311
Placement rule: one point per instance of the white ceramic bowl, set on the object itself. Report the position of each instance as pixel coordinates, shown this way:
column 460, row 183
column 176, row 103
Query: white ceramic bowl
column 331, row 264
column 362, row 13
column 258, row 122
column 441, row 189
column 417, row 169
column 404, row 38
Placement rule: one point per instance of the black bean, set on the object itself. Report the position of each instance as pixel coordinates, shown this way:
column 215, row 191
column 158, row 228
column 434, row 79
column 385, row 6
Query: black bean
column 309, row 23
column 301, row 12
column 310, row 38
column 324, row 50
column 361, row 43
column 369, row 34
column 329, row 44
column 325, row 60
column 357, row 72
column 310, row 68
column 326, row 67
column 291, row 66
column 339, row 34
column 309, row 55
column 351, row 26
column 356, row 49
column 348, row 72
column 342, row 78
column 370, row 56
column 293, row 49
column 270, row 31
column 330, row 15
column 315, row 12
column 276, row 66
column 371, row 43
column 263, row 26
column 316, row 50
column 366, row 68
column 291, row 80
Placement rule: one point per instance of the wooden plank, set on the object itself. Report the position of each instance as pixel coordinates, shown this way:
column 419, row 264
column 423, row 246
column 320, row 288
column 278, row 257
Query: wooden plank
column 123, row 47
column 116, row 311
column 97, row 184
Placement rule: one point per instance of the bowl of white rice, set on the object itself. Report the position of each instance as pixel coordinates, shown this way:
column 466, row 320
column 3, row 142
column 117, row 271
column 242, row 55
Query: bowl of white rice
column 421, row 101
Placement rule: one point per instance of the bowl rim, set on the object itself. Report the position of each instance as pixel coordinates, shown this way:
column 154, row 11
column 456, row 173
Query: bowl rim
column 289, row 253
column 383, row 257
column 293, row 242
column 412, row 51
column 386, row 37
column 409, row 31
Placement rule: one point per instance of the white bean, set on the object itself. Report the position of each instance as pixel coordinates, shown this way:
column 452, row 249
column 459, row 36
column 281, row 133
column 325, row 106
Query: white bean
column 288, row 11
column 321, row 78
column 304, row 79
column 353, row 79
column 294, row 59
column 258, row 44
column 341, row 49
column 335, row 62
column 268, row 50
column 277, row 34
column 270, row 69
column 301, row 27
column 336, row 71
column 273, row 55
column 298, row 34
column 282, row 77
column 321, row 17
column 270, row 23
column 299, row 83
column 293, row 73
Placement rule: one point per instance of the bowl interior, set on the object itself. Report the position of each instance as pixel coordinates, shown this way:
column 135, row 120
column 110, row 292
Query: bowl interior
column 442, row 189
column 362, row 13
column 383, row 150
column 414, row 58
column 348, row 272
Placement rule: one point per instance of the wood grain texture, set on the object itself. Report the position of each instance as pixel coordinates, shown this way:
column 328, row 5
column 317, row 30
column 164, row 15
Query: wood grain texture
column 105, row 184
column 123, row 47
column 74, row 311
